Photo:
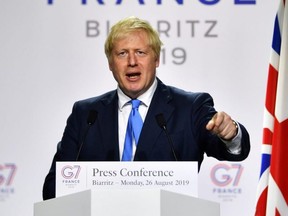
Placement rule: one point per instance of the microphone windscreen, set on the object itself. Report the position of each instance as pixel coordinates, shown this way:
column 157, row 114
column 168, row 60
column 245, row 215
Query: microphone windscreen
column 160, row 120
column 92, row 117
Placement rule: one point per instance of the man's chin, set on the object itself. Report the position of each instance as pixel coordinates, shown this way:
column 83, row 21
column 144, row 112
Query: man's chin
column 134, row 93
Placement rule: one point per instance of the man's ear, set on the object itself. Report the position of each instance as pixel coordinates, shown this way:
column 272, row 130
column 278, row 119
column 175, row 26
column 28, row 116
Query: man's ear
column 157, row 60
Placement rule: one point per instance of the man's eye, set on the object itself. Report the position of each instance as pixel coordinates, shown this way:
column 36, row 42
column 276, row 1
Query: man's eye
column 140, row 52
column 121, row 53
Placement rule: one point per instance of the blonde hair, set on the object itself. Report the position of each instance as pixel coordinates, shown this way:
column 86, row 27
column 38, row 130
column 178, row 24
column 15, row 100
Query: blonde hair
column 128, row 25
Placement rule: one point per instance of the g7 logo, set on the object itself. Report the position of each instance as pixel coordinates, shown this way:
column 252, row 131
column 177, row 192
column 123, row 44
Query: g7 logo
column 69, row 172
column 7, row 174
column 223, row 174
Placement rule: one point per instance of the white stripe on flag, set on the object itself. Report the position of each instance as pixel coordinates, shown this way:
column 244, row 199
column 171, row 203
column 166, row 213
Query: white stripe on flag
column 281, row 108
column 268, row 120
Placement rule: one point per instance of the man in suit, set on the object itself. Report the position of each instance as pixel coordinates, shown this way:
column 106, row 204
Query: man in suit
column 177, row 125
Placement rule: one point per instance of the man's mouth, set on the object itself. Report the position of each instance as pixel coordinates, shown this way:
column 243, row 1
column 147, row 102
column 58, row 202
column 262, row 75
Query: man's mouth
column 133, row 75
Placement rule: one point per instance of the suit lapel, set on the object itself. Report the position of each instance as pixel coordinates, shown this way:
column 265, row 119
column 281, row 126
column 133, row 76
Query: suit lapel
column 108, row 120
column 151, row 130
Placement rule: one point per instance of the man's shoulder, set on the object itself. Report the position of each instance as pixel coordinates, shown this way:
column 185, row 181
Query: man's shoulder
column 105, row 98
column 178, row 93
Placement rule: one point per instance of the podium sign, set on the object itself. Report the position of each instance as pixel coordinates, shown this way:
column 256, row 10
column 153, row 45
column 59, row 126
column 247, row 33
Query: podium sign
column 179, row 177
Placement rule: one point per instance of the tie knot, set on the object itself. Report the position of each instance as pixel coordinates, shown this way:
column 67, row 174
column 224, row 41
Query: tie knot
column 135, row 103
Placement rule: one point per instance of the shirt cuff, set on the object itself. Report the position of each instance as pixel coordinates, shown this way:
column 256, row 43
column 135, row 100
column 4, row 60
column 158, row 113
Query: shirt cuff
column 234, row 145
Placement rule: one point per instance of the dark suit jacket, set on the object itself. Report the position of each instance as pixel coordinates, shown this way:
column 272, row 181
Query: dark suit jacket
column 186, row 115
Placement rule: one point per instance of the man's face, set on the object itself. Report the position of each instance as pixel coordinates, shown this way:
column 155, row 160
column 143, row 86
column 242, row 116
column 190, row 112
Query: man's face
column 133, row 63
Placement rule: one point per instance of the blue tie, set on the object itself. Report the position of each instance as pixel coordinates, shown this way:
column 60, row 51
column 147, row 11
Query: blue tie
column 134, row 127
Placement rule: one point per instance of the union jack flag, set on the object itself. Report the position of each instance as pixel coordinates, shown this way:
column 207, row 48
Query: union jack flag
column 272, row 192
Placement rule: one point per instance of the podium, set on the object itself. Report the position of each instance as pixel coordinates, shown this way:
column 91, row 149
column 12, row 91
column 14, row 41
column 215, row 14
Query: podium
column 151, row 202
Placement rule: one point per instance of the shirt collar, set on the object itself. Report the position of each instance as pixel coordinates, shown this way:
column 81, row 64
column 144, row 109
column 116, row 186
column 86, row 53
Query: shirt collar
column 145, row 98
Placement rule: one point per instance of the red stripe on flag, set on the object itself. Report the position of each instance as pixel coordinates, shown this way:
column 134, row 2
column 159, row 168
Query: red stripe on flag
column 271, row 89
column 279, row 158
column 262, row 203
column 267, row 136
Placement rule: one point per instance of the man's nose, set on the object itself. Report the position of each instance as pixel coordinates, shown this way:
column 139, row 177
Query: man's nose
column 132, row 60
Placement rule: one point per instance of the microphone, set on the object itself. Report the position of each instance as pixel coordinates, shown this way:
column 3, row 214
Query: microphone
column 92, row 117
column 90, row 121
column 162, row 124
